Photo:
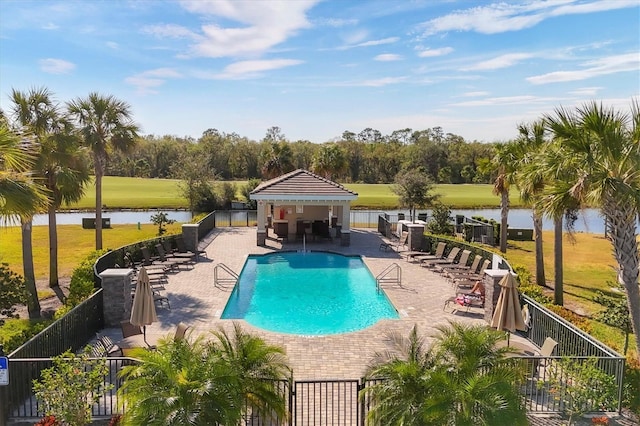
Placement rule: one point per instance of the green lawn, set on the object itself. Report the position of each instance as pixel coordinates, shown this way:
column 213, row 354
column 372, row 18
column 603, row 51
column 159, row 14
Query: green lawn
column 139, row 193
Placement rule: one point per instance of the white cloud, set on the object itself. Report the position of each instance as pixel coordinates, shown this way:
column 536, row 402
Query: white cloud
column 428, row 53
column 502, row 61
column 335, row 22
column 379, row 82
column 56, row 66
column 387, row 57
column 388, row 40
column 50, row 26
column 603, row 66
column 475, row 94
column 586, row 91
column 253, row 67
column 502, row 17
column 505, row 100
column 169, row 31
column 146, row 81
column 112, row 45
column 263, row 25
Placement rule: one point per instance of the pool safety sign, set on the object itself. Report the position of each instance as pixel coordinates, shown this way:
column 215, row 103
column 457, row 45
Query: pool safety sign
column 4, row 371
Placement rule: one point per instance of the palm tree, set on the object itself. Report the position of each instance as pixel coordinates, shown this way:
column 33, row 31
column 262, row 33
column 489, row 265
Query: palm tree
column 20, row 197
column 506, row 160
column 258, row 367
column 105, row 124
column 177, row 384
column 463, row 380
column 200, row 383
column 596, row 162
column 531, row 182
column 277, row 159
column 400, row 395
column 329, row 161
column 60, row 163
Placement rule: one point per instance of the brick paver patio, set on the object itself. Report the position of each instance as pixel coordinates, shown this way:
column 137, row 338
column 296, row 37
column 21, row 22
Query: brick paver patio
column 196, row 301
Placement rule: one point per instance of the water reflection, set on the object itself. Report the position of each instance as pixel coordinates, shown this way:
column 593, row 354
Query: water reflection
column 117, row 217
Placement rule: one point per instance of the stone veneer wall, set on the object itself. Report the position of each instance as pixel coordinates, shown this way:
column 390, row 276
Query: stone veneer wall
column 492, row 289
column 116, row 293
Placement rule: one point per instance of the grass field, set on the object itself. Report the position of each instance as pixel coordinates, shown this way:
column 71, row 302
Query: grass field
column 138, row 193
column 74, row 244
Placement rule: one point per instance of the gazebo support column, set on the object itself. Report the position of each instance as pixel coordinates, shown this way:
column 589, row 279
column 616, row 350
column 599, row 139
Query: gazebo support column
column 262, row 231
column 345, row 232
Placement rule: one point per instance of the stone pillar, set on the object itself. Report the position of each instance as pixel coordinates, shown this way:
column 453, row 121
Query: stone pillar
column 416, row 233
column 345, row 238
column 492, row 288
column 116, row 294
column 190, row 237
column 262, row 238
column 345, row 231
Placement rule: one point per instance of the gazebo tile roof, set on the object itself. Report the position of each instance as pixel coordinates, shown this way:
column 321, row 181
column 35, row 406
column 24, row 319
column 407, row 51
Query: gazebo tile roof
column 304, row 183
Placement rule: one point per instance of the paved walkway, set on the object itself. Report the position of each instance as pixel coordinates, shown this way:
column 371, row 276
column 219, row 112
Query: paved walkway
column 196, row 301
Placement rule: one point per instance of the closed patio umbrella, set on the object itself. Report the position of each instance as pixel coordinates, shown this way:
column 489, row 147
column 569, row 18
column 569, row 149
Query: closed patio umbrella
column 508, row 314
column 143, row 310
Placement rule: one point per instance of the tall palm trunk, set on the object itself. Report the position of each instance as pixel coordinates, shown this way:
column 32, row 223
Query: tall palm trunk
column 558, row 288
column 537, row 235
column 33, row 304
column 53, row 247
column 504, row 218
column 621, row 226
column 99, row 160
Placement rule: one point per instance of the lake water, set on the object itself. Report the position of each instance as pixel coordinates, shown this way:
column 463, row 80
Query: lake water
column 589, row 220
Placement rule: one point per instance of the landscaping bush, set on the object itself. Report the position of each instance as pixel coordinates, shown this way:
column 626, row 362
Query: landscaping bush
column 631, row 395
column 12, row 292
column 15, row 332
column 82, row 280
column 527, row 287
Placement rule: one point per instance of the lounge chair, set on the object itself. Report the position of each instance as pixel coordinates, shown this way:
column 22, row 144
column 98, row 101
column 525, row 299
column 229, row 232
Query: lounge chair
column 419, row 255
column 177, row 261
column 468, row 280
column 402, row 241
column 158, row 263
column 172, row 252
column 462, row 269
column 181, row 331
column 183, row 249
column 450, row 259
column 466, row 301
column 464, row 258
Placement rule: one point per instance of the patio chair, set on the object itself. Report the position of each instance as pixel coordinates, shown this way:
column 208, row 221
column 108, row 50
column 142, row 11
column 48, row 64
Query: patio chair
column 466, row 301
column 459, row 269
column 129, row 329
column 158, row 263
column 417, row 255
column 183, row 249
column 177, row 262
column 468, row 280
column 172, row 252
column 439, row 254
column 402, row 241
column 181, row 331
column 464, row 258
column 450, row 259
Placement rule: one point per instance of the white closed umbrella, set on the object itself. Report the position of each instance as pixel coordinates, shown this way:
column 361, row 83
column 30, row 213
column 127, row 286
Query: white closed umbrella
column 143, row 310
column 508, row 314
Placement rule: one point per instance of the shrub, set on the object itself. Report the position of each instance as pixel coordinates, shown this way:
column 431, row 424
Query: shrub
column 15, row 332
column 71, row 386
column 83, row 280
column 12, row 292
column 572, row 317
column 631, row 392
column 527, row 286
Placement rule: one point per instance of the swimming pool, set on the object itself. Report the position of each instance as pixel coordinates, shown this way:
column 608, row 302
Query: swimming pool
column 313, row 293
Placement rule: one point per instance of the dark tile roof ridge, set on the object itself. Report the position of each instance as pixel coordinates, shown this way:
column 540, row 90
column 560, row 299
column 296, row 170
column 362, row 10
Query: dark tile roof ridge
column 297, row 172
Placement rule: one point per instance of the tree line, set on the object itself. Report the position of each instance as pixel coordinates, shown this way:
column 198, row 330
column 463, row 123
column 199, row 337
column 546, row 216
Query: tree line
column 365, row 157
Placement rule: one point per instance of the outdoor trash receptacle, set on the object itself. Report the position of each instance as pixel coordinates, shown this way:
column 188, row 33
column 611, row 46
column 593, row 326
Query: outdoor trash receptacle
column 90, row 222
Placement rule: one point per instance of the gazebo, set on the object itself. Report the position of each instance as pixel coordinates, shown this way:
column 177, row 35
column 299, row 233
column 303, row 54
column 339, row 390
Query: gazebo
column 300, row 204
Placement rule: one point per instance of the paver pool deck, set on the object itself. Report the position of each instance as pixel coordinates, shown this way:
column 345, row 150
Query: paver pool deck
column 196, row 301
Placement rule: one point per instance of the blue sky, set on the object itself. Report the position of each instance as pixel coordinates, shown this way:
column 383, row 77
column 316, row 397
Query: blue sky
column 318, row 68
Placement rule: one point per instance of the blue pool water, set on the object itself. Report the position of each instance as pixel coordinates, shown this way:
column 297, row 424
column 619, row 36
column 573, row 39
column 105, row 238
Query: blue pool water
column 310, row 293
